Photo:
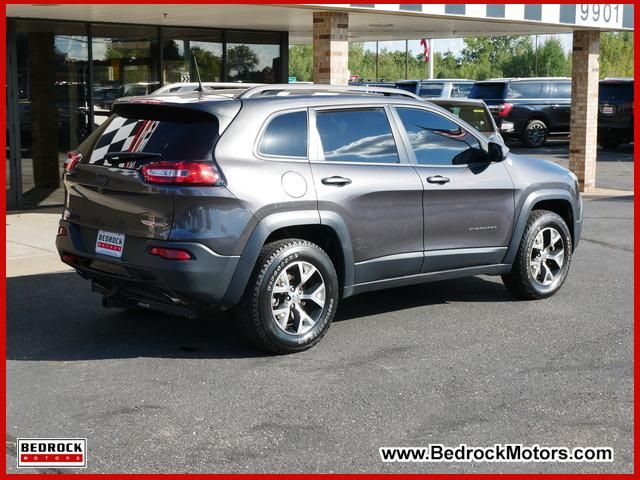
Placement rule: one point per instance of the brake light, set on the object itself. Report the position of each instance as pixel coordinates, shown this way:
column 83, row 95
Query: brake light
column 183, row 173
column 69, row 258
column 72, row 160
column 170, row 253
column 504, row 109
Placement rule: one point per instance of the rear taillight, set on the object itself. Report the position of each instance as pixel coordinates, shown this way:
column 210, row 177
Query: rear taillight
column 504, row 109
column 182, row 173
column 170, row 253
column 62, row 231
column 72, row 160
column 69, row 258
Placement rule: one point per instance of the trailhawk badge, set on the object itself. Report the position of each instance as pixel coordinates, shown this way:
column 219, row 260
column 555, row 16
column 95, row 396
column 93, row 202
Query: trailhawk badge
column 52, row 452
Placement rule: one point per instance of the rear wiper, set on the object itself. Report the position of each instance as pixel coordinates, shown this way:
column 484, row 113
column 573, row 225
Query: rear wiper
column 124, row 157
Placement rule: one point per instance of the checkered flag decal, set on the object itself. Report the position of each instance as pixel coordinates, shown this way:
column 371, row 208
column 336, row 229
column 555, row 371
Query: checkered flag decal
column 122, row 135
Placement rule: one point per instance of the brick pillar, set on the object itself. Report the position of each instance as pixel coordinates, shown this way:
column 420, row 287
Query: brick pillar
column 584, row 107
column 331, row 47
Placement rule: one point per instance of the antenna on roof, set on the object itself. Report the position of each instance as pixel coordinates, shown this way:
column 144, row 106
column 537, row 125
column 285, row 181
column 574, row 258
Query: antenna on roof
column 195, row 61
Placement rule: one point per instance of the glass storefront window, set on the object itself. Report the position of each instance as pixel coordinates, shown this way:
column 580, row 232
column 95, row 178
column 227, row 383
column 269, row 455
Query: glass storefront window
column 68, row 74
column 53, row 79
column 180, row 45
column 253, row 57
column 125, row 63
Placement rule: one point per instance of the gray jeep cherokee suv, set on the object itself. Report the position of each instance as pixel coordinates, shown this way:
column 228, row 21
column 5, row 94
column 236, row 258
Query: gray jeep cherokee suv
column 280, row 201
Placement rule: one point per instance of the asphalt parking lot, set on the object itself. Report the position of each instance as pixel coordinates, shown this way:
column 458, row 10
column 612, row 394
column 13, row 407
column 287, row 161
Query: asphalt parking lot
column 449, row 362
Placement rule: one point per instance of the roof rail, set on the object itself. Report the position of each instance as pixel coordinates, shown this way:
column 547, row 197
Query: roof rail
column 282, row 89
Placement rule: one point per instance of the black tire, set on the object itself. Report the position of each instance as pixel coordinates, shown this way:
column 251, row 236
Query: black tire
column 535, row 134
column 521, row 281
column 254, row 312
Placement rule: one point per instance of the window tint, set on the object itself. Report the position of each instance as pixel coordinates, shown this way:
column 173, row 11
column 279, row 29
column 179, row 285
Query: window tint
column 560, row 90
column 487, row 91
column 612, row 92
column 437, row 140
column 461, row 89
column 286, row 136
column 408, row 86
column 431, row 89
column 474, row 115
column 177, row 140
column 524, row 90
column 357, row 136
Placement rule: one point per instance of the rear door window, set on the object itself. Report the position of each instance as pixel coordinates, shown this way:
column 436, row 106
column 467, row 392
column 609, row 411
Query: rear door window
column 524, row 90
column 560, row 90
column 286, row 136
column 487, row 91
column 165, row 140
column 362, row 136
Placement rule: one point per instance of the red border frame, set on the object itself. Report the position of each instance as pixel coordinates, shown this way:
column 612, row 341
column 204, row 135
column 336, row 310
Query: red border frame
column 3, row 332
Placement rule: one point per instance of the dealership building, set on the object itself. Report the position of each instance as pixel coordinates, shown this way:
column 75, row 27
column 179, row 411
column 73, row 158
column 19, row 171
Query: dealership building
column 66, row 64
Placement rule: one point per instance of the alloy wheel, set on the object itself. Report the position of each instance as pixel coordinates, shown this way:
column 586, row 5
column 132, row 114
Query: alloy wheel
column 297, row 298
column 547, row 256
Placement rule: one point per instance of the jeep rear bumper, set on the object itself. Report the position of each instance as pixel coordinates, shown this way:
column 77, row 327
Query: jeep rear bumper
column 150, row 281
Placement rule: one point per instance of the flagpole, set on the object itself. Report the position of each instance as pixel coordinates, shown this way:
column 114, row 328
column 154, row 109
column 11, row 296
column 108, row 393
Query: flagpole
column 431, row 58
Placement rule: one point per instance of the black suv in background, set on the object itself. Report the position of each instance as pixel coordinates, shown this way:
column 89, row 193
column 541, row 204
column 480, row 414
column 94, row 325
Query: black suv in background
column 527, row 109
column 615, row 112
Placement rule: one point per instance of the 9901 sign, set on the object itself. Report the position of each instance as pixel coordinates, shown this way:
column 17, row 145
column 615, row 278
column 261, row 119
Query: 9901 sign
column 599, row 14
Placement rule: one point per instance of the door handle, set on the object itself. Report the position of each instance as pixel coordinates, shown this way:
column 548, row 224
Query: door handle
column 555, row 106
column 439, row 179
column 336, row 181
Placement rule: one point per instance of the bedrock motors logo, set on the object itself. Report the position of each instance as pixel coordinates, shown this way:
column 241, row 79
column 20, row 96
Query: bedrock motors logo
column 52, row 452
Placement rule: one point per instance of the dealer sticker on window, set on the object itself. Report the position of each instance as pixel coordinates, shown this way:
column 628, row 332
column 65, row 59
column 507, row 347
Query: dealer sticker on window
column 109, row 243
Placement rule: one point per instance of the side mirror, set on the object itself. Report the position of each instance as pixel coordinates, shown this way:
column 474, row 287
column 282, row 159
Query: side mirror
column 495, row 152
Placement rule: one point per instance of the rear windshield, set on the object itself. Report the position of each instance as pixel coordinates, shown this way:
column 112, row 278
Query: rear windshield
column 431, row 89
column 616, row 92
column 485, row 91
column 474, row 115
column 172, row 141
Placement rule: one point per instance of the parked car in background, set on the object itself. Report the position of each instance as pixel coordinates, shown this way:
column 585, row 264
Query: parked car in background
column 474, row 112
column 615, row 112
column 372, row 83
column 280, row 206
column 441, row 87
column 527, row 109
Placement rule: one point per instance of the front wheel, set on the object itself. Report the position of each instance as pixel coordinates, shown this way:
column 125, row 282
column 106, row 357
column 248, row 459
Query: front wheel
column 291, row 297
column 543, row 258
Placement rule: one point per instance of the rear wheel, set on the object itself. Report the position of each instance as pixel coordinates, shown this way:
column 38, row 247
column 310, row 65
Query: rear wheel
column 291, row 297
column 543, row 258
column 535, row 134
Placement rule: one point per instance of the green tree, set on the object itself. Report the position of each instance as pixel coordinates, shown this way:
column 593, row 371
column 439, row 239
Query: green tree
column 301, row 62
column 242, row 60
column 551, row 59
column 616, row 54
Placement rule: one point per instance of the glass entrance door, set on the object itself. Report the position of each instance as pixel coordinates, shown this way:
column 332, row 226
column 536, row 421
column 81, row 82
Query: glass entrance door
column 52, row 87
